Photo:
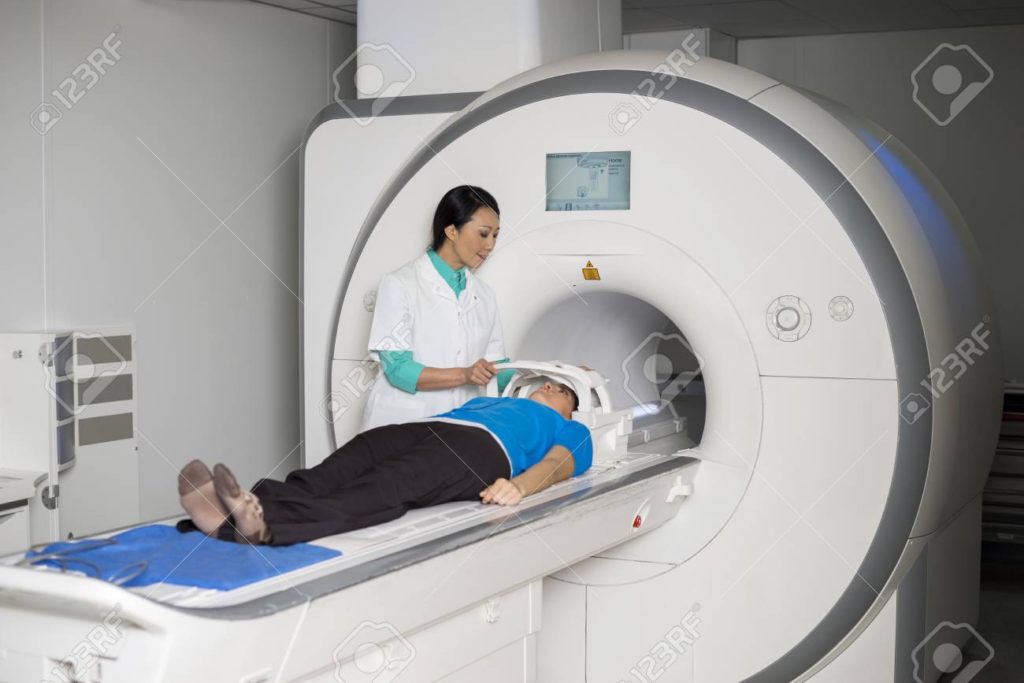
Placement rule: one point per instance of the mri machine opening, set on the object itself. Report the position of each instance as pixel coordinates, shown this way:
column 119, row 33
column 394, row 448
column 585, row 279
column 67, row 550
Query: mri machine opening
column 648, row 362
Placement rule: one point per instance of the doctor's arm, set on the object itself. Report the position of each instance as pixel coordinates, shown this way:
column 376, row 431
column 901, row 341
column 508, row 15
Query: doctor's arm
column 478, row 373
column 390, row 335
column 404, row 373
column 558, row 465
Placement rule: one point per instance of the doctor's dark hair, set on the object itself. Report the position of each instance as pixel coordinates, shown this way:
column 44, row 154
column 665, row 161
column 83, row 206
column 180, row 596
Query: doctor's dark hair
column 457, row 207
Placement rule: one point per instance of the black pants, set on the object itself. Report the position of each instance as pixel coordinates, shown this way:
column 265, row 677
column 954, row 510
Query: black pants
column 379, row 475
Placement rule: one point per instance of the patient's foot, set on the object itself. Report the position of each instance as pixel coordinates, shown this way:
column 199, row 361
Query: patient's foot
column 199, row 497
column 244, row 507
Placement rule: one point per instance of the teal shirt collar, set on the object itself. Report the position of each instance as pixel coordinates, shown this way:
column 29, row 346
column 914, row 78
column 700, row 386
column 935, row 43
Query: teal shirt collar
column 456, row 279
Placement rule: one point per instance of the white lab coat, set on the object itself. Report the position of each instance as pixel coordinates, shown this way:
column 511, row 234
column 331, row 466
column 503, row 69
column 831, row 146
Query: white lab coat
column 417, row 310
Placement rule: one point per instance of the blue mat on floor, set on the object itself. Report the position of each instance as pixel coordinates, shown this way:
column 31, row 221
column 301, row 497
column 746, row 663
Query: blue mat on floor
column 189, row 559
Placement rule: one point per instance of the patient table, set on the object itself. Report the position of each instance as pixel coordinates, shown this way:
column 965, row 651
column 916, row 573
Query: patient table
column 443, row 591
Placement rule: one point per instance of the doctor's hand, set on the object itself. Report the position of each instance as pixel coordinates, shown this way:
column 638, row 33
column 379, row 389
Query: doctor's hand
column 480, row 372
column 502, row 492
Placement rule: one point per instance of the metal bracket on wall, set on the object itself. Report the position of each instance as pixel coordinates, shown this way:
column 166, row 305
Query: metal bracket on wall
column 50, row 494
column 46, row 354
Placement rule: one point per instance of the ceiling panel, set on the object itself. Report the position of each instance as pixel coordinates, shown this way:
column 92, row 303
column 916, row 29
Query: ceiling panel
column 742, row 19
column 995, row 17
column 342, row 11
column 779, row 29
column 878, row 15
column 983, row 4
column 332, row 13
column 735, row 12
column 645, row 21
column 764, row 18
column 289, row 4
column 662, row 4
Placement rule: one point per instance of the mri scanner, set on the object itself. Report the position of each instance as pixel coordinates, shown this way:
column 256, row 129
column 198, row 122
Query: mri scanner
column 795, row 262
column 771, row 289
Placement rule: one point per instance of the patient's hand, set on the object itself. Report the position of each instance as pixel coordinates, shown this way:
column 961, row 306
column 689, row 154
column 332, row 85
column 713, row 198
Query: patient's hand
column 502, row 492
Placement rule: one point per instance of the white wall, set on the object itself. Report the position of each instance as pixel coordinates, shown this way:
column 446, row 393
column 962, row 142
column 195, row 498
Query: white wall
column 979, row 156
column 97, row 226
column 711, row 42
column 448, row 46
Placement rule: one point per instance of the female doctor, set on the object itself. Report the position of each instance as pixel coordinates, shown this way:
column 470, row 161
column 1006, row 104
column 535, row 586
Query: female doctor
column 436, row 330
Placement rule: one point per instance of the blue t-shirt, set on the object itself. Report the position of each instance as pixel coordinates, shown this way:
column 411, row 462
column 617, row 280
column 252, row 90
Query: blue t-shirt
column 528, row 430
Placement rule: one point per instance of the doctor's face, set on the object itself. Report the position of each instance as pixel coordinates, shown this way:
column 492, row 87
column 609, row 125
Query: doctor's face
column 475, row 241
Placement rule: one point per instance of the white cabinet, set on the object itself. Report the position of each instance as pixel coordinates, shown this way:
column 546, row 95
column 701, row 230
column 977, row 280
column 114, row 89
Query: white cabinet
column 14, row 535
column 67, row 433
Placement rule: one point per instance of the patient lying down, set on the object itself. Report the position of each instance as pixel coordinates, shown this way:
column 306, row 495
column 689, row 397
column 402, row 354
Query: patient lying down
column 497, row 450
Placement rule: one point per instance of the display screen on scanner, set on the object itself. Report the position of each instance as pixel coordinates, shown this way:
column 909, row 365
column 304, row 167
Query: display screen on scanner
column 588, row 181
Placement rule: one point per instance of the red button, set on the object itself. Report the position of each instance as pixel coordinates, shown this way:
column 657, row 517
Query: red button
column 637, row 521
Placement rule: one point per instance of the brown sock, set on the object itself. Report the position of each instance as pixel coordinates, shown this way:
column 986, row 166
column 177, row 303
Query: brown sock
column 245, row 508
column 199, row 497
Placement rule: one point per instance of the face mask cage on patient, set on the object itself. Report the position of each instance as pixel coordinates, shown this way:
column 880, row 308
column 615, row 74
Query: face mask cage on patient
column 609, row 428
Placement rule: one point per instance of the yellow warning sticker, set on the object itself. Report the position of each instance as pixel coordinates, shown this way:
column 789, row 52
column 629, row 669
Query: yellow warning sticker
column 590, row 272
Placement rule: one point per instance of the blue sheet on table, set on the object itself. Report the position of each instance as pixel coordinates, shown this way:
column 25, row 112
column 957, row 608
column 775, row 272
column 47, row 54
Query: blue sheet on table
column 188, row 559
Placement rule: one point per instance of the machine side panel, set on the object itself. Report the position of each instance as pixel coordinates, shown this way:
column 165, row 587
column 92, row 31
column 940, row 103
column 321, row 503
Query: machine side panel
column 961, row 385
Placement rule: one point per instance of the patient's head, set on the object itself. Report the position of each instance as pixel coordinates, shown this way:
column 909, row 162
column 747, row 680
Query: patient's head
column 557, row 396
